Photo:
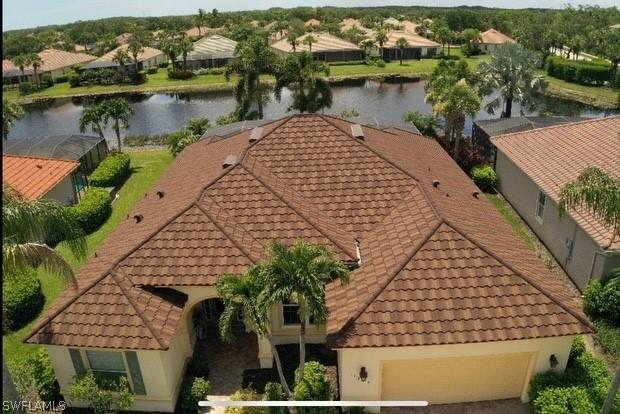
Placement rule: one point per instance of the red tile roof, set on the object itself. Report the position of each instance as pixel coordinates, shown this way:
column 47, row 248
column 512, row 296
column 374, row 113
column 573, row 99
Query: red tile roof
column 309, row 177
column 34, row 177
column 496, row 37
column 555, row 156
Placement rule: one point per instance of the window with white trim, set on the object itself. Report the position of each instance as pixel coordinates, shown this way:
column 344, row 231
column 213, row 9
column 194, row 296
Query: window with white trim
column 541, row 201
column 107, row 366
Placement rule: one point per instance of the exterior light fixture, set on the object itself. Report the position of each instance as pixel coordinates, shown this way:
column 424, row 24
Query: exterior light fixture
column 363, row 374
column 553, row 361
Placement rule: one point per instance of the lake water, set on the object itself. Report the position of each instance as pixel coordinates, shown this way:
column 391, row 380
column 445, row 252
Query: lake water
column 165, row 112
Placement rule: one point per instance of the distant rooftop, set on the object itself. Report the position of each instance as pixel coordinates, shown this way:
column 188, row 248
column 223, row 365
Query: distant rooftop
column 33, row 177
column 64, row 147
column 324, row 42
column 493, row 127
column 495, row 37
column 213, row 47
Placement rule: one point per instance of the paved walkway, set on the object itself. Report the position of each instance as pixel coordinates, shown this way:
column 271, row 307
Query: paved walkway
column 512, row 406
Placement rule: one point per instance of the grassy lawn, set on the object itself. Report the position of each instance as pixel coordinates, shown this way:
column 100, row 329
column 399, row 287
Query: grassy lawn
column 148, row 166
column 593, row 95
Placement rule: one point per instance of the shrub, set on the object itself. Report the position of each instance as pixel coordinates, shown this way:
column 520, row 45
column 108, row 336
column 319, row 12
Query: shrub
column 571, row 400
column 544, row 380
column 592, row 373
column 617, row 80
column 180, row 74
column 247, row 394
column 141, row 140
column 484, row 176
column 198, row 126
column 36, row 374
column 112, row 171
column 210, row 71
column 137, row 77
column 22, row 298
column 100, row 399
column 93, row 210
column 62, row 79
column 198, row 391
column 74, row 80
column 348, row 63
column 274, row 392
column 380, row 63
column 25, row 88
column 164, row 65
column 586, row 73
column 178, row 140
column 47, row 81
column 311, row 384
column 602, row 299
column 152, row 70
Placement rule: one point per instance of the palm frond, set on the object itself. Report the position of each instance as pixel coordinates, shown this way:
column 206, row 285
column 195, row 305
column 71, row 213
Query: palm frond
column 18, row 256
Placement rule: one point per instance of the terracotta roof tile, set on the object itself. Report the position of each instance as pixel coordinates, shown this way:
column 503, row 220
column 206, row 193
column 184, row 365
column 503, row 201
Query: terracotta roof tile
column 496, row 37
column 34, row 177
column 422, row 279
column 54, row 59
column 412, row 38
column 555, row 156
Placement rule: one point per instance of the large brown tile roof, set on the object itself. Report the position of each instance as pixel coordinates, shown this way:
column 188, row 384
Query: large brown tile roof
column 496, row 37
column 413, row 39
column 308, row 177
column 54, row 59
column 33, row 177
column 555, row 156
column 324, row 42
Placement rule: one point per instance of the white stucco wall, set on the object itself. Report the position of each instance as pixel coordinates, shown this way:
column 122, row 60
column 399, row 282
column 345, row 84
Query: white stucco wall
column 350, row 361
column 63, row 192
column 522, row 193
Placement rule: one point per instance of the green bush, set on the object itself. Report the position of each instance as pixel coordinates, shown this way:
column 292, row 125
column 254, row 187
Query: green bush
column 22, row 298
column 586, row 73
column 544, row 380
column 590, row 372
column 608, row 337
column 35, row 373
column 485, row 177
column 245, row 395
column 93, row 210
column 311, row 384
column 47, row 81
column 112, row 171
column 164, row 65
column 571, row 400
column 62, row 79
column 274, row 392
column 101, row 399
column 25, row 88
column 152, row 70
column 199, row 390
column 348, row 63
column 602, row 299
column 180, row 74
column 74, row 80
column 380, row 63
column 617, row 81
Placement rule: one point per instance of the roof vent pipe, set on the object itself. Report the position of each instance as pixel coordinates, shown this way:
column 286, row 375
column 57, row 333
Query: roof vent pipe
column 358, row 252
column 138, row 218
column 229, row 160
column 435, row 183
column 160, row 194
column 357, row 131
column 257, row 133
column 475, row 194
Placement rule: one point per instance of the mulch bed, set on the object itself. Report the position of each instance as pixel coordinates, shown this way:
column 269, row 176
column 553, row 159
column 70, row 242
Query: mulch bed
column 289, row 355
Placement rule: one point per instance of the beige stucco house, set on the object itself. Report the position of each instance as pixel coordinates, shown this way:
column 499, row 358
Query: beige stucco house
column 442, row 291
column 492, row 39
column 533, row 166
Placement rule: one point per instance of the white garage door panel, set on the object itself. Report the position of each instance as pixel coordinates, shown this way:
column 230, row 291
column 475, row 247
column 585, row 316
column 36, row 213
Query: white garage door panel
column 449, row 380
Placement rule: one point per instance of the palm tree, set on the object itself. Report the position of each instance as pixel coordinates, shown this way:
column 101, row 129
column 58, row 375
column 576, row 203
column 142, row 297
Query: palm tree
column 300, row 274
column 120, row 112
column 381, row 38
column 185, row 46
column 121, row 56
column 244, row 294
column 300, row 73
column 309, row 40
column 200, row 19
column 169, row 44
column 424, row 28
column 443, row 35
column 401, row 44
column 599, row 193
column 512, row 73
column 21, row 61
column 35, row 60
column 255, row 58
column 367, row 45
column 11, row 112
column 93, row 117
column 291, row 38
column 135, row 47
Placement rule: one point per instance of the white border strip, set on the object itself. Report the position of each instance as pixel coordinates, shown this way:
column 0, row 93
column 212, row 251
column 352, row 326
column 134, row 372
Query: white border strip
column 313, row 403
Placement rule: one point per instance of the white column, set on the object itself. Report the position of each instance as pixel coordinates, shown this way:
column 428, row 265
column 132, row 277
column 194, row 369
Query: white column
column 265, row 356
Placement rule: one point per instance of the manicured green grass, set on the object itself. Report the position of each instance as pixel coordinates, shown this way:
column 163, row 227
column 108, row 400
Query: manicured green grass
column 593, row 95
column 147, row 167
column 513, row 219
column 608, row 337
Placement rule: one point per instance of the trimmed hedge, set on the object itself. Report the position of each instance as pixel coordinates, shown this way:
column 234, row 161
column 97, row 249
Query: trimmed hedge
column 36, row 373
column 22, row 299
column 571, row 400
column 602, row 299
column 585, row 73
column 93, row 210
column 484, row 176
column 112, row 171
column 347, row 63
column 180, row 74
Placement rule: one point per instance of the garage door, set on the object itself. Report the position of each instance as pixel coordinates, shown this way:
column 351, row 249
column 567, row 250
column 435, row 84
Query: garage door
column 449, row 380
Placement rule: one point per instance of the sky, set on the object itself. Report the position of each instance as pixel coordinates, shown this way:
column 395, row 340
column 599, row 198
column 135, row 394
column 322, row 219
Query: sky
column 20, row 14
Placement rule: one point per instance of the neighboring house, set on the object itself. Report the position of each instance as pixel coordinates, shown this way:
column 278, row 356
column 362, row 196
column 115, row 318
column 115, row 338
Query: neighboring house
column 55, row 63
column 418, row 47
column 149, row 57
column 35, row 178
column 312, row 23
column 203, row 31
column 483, row 130
column 89, row 151
column 492, row 38
column 441, row 286
column 11, row 74
column 349, row 23
column 211, row 52
column 409, row 26
column 533, row 166
column 326, row 47
column 392, row 22
column 123, row 38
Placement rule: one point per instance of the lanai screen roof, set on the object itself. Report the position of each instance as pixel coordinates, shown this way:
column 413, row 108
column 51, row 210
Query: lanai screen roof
column 213, row 47
column 64, row 147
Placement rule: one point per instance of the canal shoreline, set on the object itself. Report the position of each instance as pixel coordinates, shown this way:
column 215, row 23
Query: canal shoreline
column 553, row 91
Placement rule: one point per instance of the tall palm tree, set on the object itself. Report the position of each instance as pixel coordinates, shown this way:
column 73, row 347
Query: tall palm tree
column 300, row 274
column 512, row 73
column 135, row 47
column 401, row 44
column 443, row 35
column 169, row 44
column 301, row 74
column 599, row 193
column 185, row 46
column 255, row 58
column 381, row 38
column 21, row 61
column 120, row 112
column 244, row 294
column 93, row 117
column 309, row 40
column 11, row 112
column 35, row 60
column 121, row 57
column 367, row 45
column 201, row 19
column 291, row 38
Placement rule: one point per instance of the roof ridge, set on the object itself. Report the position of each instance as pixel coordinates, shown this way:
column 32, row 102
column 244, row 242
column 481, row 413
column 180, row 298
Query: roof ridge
column 286, row 201
column 566, row 125
column 520, row 274
column 391, row 277
column 134, row 305
column 42, row 158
